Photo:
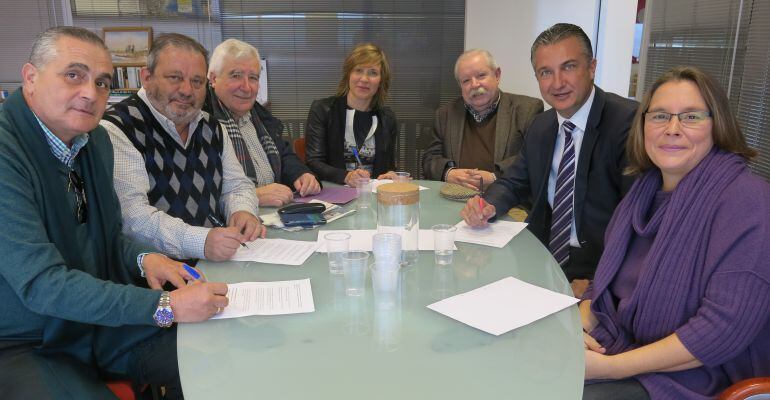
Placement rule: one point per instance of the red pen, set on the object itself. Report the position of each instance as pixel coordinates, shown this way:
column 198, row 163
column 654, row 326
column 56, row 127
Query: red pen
column 481, row 197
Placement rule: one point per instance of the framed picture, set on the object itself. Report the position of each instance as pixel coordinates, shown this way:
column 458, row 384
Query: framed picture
column 128, row 45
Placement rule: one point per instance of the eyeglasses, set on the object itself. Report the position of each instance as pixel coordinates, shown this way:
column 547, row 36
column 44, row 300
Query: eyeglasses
column 77, row 185
column 688, row 118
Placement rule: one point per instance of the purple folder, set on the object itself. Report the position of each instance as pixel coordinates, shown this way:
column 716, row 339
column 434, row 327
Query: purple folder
column 334, row 195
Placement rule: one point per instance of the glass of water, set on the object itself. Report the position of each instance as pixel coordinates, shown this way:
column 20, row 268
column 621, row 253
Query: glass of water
column 444, row 243
column 337, row 244
column 354, row 265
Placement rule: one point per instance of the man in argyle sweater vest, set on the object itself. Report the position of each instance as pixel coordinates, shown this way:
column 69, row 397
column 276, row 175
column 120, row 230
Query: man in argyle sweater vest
column 176, row 174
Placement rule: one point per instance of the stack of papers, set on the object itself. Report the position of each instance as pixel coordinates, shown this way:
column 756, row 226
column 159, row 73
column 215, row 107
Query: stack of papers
column 496, row 234
column 268, row 298
column 276, row 251
column 503, row 305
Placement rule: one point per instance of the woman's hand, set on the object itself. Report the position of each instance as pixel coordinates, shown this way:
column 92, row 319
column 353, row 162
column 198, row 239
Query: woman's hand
column 589, row 343
column 587, row 318
column 351, row 179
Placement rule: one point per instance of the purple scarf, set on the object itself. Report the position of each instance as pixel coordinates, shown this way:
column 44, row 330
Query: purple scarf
column 674, row 261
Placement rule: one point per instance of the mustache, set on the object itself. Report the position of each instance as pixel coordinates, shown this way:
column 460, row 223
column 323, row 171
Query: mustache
column 182, row 98
column 479, row 91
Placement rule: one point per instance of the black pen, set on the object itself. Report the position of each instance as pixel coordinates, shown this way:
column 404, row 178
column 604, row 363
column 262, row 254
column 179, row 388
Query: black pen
column 216, row 222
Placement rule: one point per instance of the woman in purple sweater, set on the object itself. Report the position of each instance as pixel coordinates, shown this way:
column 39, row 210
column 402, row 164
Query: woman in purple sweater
column 679, row 305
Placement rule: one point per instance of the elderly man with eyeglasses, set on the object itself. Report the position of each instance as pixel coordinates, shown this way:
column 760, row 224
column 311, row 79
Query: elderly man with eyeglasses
column 176, row 174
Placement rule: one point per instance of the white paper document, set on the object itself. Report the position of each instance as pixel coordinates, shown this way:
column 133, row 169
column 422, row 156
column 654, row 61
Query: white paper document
column 378, row 182
column 268, row 298
column 276, row 251
column 503, row 305
column 496, row 234
column 361, row 240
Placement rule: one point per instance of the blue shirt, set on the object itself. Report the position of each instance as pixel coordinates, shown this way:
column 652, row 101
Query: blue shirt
column 60, row 150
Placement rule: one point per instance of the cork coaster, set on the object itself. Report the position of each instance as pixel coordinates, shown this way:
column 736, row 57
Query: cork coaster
column 456, row 192
column 518, row 214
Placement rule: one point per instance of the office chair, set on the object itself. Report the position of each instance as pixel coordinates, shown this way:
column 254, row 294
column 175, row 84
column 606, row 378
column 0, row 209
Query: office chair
column 748, row 389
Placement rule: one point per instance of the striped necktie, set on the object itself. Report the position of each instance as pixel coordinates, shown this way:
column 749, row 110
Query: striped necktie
column 561, row 218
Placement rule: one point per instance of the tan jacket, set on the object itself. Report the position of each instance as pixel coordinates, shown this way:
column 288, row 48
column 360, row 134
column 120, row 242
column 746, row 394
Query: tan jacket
column 514, row 114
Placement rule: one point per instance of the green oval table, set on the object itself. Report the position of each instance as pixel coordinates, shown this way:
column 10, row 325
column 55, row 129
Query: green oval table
column 353, row 348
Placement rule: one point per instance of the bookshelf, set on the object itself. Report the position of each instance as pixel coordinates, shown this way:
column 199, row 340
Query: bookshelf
column 126, row 78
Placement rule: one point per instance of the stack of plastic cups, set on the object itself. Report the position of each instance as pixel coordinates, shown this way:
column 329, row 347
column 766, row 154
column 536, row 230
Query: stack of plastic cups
column 387, row 250
column 387, row 260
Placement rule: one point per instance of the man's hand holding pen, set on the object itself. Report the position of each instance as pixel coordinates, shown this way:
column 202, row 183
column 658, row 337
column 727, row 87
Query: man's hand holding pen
column 222, row 242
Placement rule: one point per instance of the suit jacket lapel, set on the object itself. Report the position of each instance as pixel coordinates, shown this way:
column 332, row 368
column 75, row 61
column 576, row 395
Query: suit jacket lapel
column 503, row 128
column 586, row 149
column 455, row 129
column 548, row 144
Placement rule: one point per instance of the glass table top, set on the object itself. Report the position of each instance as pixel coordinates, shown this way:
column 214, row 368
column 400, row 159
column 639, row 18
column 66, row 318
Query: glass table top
column 375, row 348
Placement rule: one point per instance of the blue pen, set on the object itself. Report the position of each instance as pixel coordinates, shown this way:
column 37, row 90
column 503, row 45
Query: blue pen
column 216, row 222
column 355, row 154
column 192, row 271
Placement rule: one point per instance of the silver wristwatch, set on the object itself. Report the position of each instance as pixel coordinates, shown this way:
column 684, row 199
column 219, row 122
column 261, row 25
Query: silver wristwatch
column 164, row 315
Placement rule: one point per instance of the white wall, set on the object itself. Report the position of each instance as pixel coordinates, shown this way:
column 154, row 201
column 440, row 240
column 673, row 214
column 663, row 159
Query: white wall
column 507, row 29
column 615, row 45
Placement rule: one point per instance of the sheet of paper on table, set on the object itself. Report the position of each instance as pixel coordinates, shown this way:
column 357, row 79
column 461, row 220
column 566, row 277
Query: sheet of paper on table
column 276, row 251
column 268, row 298
column 496, row 234
column 378, row 182
column 361, row 239
column 503, row 305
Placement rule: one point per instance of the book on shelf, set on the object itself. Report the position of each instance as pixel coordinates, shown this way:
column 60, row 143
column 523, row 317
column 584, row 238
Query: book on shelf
column 126, row 78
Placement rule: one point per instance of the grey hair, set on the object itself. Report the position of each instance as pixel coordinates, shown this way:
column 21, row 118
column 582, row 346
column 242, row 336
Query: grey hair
column 559, row 32
column 231, row 49
column 176, row 40
column 44, row 47
column 472, row 52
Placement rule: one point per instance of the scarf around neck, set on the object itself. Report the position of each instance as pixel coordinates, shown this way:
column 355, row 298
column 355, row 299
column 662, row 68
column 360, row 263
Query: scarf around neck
column 674, row 259
column 239, row 145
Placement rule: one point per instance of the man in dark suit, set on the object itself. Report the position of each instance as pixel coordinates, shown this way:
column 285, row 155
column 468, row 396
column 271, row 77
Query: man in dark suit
column 571, row 164
column 478, row 135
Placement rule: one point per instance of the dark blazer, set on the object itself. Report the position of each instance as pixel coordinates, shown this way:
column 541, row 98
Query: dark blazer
column 291, row 167
column 599, row 179
column 325, row 139
column 514, row 114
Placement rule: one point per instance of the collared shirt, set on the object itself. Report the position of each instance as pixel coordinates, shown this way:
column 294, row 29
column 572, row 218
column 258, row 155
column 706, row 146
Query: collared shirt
column 483, row 114
column 60, row 150
column 580, row 119
column 144, row 222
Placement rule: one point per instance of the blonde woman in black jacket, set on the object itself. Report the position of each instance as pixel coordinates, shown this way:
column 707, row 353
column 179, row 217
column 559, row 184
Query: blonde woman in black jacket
column 351, row 135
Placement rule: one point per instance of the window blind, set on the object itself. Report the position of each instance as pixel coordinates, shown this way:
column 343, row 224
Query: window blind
column 727, row 39
column 20, row 23
column 754, row 87
column 305, row 44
